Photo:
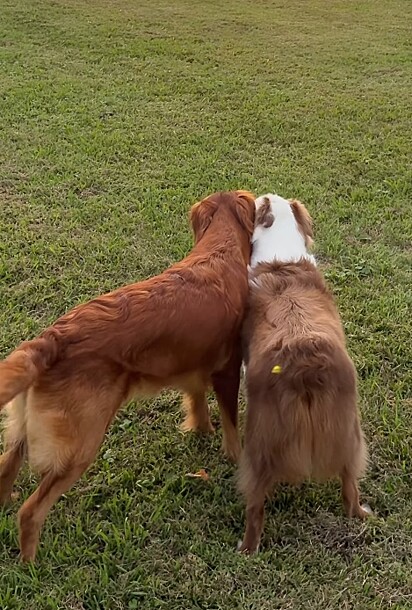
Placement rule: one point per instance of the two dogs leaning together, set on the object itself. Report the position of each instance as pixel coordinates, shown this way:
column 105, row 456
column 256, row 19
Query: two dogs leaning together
column 249, row 290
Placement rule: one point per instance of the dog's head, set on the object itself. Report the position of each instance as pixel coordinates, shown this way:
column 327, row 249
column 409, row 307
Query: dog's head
column 239, row 204
column 269, row 207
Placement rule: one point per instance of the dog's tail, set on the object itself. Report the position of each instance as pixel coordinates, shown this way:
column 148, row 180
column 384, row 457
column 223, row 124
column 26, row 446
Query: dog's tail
column 316, row 363
column 25, row 364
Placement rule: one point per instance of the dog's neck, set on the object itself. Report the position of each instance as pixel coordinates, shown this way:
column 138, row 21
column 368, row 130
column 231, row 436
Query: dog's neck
column 281, row 242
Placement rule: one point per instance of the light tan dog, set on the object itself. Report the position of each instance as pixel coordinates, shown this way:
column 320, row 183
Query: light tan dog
column 180, row 329
column 302, row 417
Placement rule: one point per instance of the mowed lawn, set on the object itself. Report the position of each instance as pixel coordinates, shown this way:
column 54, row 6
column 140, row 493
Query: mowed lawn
column 116, row 116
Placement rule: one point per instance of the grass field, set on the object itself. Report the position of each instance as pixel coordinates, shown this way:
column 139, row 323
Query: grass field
column 114, row 118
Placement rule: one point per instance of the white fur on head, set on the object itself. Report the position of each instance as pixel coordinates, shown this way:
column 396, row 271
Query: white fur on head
column 277, row 235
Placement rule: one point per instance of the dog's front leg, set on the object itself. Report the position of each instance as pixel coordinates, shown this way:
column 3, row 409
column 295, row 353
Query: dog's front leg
column 226, row 386
column 197, row 412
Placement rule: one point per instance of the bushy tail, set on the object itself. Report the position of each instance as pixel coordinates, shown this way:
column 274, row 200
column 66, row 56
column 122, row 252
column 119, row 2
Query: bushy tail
column 314, row 363
column 23, row 366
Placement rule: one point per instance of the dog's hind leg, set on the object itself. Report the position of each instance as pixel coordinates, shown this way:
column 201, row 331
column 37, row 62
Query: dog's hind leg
column 10, row 464
column 255, row 483
column 350, row 475
column 33, row 513
column 226, row 386
column 55, row 481
column 64, row 433
column 350, row 496
column 15, row 447
column 255, row 512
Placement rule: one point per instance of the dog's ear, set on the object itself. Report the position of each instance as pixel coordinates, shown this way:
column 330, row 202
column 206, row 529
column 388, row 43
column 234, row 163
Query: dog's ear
column 245, row 210
column 304, row 221
column 264, row 216
column 201, row 215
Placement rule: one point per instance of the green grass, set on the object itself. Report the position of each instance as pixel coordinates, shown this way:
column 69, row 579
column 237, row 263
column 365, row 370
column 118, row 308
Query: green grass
column 114, row 118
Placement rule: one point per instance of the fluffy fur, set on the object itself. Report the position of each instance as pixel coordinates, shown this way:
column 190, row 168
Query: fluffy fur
column 302, row 419
column 180, row 329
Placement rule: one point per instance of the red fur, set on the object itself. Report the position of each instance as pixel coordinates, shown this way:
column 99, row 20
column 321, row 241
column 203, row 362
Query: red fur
column 302, row 422
column 179, row 329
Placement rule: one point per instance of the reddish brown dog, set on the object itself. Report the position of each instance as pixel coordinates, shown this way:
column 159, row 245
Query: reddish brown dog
column 180, row 329
column 302, row 418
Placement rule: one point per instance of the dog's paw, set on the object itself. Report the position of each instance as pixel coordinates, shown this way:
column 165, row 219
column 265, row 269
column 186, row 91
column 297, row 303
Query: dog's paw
column 244, row 550
column 367, row 509
column 190, row 425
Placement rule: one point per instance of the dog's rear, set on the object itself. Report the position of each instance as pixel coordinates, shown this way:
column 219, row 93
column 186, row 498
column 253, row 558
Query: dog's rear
column 302, row 418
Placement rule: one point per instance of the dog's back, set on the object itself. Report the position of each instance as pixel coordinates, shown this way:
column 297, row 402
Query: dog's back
column 301, row 383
